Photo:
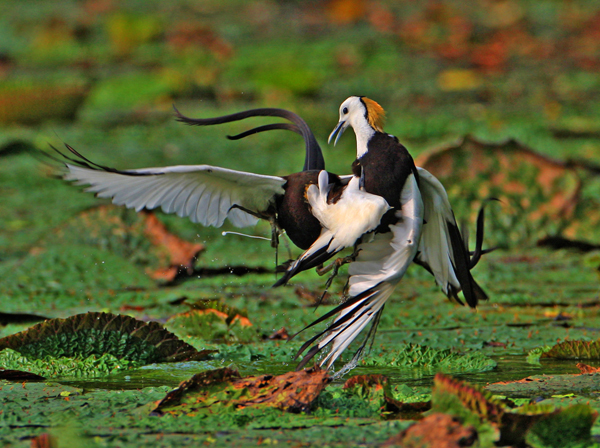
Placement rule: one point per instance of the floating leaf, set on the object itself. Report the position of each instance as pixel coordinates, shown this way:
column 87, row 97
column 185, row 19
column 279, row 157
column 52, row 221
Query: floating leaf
column 229, row 313
column 472, row 397
column 533, row 357
column 527, row 423
column 139, row 237
column 91, row 367
column 31, row 101
column 292, row 391
column 413, row 356
column 88, row 334
column 182, row 254
column 584, row 368
column 44, row 440
column 547, row 385
column 574, row 350
column 281, row 334
column 569, row 427
column 377, row 390
column 436, row 430
column 213, row 320
column 540, row 195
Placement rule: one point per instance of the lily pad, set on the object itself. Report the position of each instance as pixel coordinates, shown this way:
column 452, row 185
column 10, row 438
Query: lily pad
column 292, row 391
column 83, row 335
column 574, row 350
column 213, row 320
column 138, row 237
column 27, row 369
column 414, row 356
column 541, row 195
column 536, row 425
column 548, row 385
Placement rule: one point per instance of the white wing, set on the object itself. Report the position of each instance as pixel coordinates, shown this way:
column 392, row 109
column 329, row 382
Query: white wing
column 379, row 266
column 386, row 256
column 203, row 193
column 436, row 249
column 442, row 249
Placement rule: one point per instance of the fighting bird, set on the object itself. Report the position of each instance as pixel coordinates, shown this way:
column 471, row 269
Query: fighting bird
column 416, row 225
column 390, row 211
column 422, row 229
column 208, row 194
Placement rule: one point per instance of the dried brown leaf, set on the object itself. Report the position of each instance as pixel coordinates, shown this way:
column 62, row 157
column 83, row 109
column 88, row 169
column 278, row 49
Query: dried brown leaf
column 292, row 391
column 435, row 430
column 585, row 369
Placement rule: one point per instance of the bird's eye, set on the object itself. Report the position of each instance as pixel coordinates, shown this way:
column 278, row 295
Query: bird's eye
column 345, row 110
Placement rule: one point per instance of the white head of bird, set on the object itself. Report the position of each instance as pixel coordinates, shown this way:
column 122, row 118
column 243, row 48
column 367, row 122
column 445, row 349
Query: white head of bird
column 365, row 116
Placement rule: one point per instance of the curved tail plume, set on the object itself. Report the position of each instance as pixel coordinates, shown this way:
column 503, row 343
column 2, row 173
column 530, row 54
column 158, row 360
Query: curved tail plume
column 314, row 156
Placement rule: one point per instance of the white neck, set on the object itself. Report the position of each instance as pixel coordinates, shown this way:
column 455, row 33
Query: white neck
column 363, row 132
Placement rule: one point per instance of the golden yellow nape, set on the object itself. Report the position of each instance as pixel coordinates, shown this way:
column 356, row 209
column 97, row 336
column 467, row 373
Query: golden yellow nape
column 375, row 114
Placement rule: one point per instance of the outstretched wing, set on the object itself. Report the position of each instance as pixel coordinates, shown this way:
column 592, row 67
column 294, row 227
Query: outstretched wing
column 205, row 194
column 381, row 263
column 442, row 250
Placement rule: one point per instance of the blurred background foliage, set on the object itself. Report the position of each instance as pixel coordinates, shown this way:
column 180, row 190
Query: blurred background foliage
column 102, row 75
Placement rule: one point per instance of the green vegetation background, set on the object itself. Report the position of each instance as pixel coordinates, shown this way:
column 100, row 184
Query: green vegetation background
column 102, row 76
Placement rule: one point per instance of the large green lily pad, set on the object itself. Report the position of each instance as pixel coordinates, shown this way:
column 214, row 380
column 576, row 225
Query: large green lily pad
column 95, row 333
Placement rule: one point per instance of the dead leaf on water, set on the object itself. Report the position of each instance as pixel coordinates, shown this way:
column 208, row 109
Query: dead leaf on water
column 539, row 194
column 292, row 391
column 584, row 368
column 543, row 424
column 574, row 350
column 139, row 237
column 439, row 430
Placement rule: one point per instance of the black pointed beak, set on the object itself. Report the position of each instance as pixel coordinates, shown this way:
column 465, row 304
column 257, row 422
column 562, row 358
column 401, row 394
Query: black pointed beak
column 339, row 129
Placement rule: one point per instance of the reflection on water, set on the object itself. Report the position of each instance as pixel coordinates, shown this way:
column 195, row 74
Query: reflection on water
column 511, row 367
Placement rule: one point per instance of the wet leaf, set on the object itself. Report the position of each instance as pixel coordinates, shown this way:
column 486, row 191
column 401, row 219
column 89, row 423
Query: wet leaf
column 584, row 368
column 224, row 389
column 138, row 237
column 532, row 423
column 547, row 385
column 414, row 356
column 93, row 366
column 574, row 350
column 436, row 430
column 94, row 333
column 540, row 195
column 44, row 440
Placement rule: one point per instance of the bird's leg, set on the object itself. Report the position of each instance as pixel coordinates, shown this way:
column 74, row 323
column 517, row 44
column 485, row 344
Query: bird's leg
column 335, row 267
column 274, row 233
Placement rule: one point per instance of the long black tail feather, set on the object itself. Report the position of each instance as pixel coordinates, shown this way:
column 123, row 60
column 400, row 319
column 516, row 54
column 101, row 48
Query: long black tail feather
column 314, row 155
